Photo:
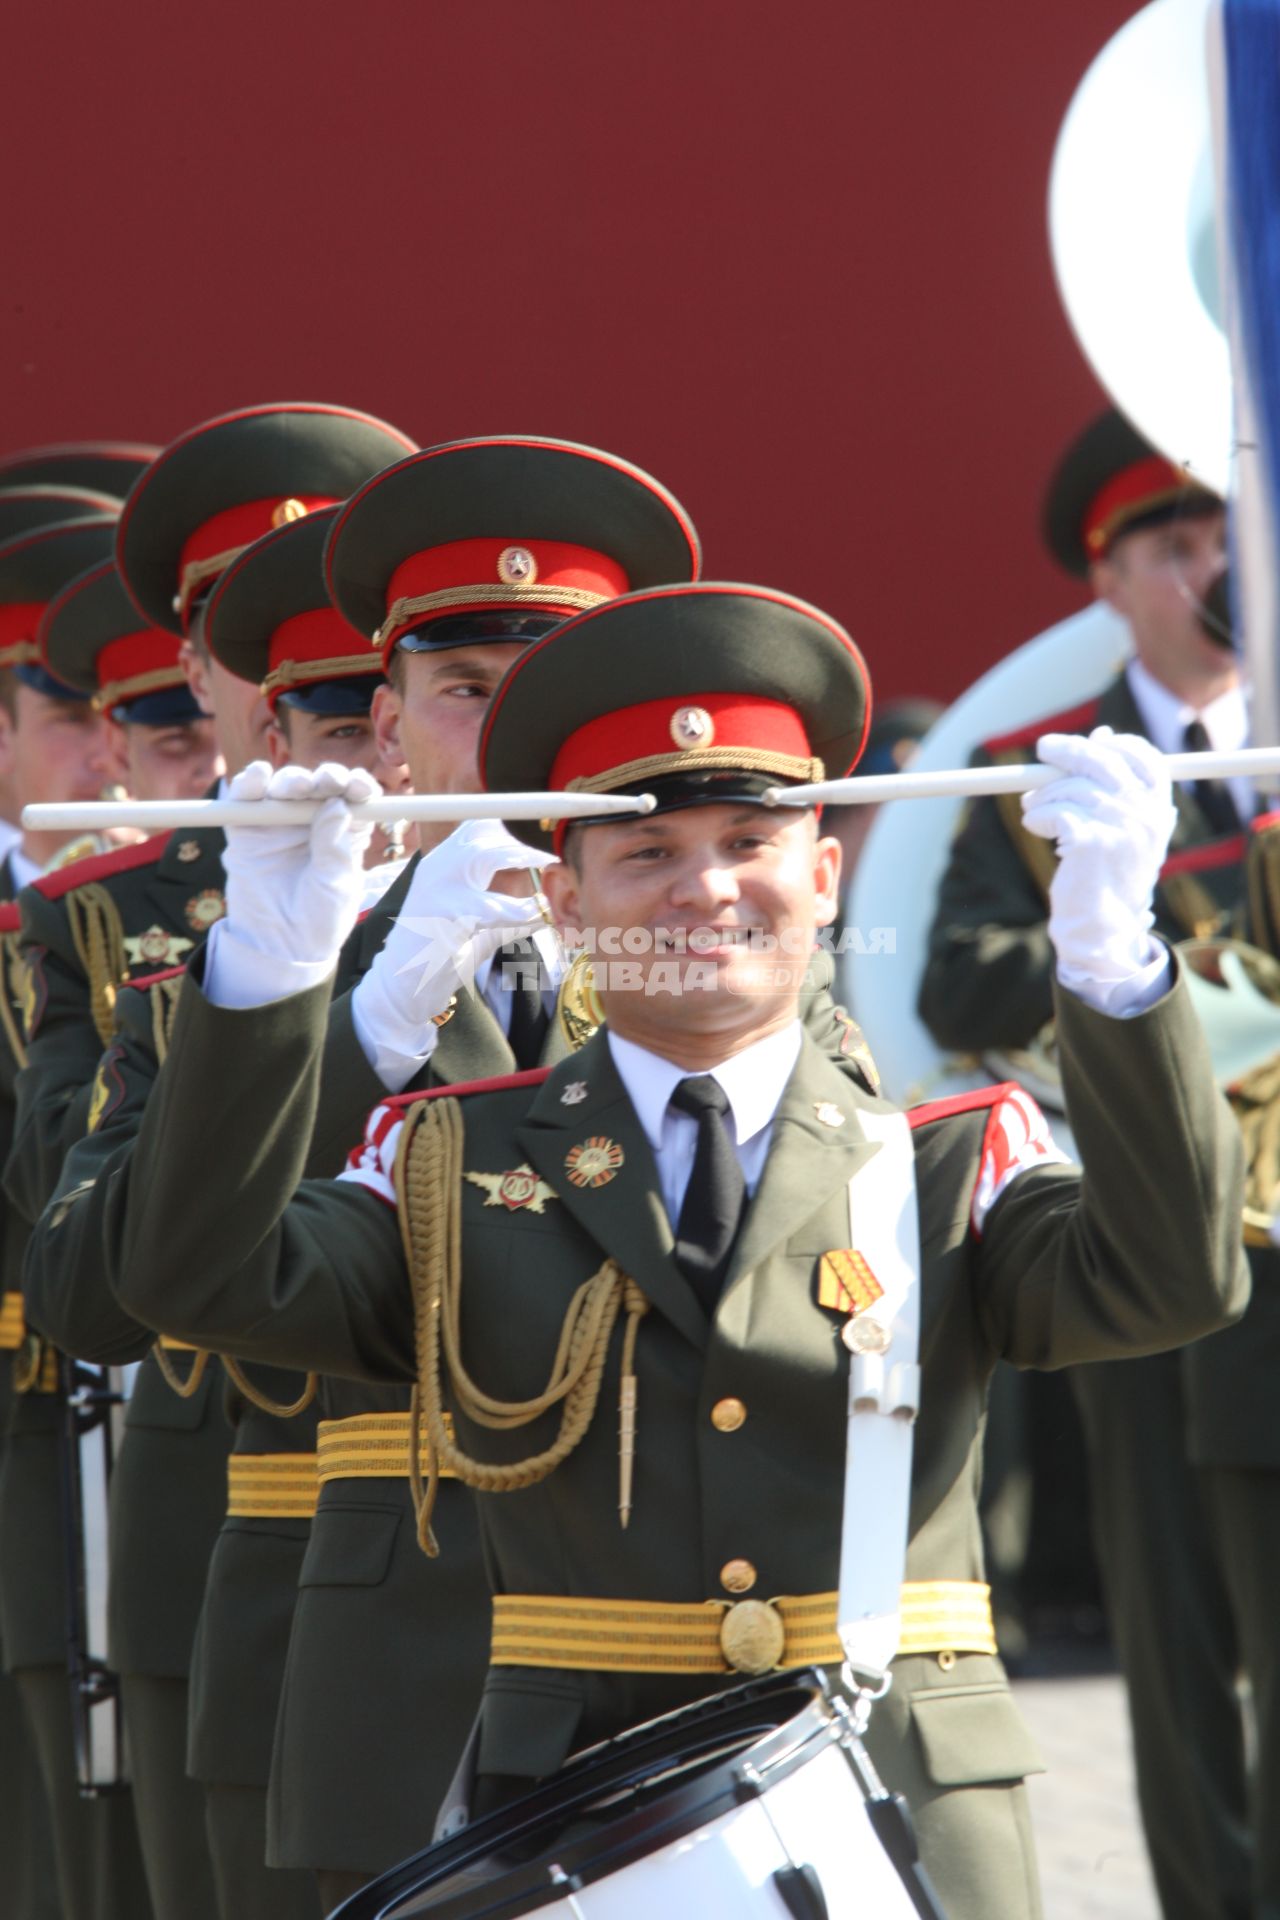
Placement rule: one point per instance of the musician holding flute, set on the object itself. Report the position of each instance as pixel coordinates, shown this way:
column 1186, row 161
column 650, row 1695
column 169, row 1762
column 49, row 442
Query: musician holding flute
column 690, row 1166
column 1188, row 1574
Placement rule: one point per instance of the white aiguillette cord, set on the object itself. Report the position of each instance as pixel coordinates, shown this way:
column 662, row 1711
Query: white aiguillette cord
column 884, row 1398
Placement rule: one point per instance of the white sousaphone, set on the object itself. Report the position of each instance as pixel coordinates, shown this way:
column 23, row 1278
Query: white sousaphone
column 1135, row 250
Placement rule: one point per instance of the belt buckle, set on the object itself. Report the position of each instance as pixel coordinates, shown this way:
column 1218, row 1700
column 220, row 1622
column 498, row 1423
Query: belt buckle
column 753, row 1636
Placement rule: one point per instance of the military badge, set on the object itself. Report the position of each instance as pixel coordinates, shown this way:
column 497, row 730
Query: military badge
column 846, row 1283
column 203, row 909
column 828, row 1113
column 574, row 1094
column 518, row 1189
column 594, row 1162
column 692, row 727
column 188, row 850
column 155, row 948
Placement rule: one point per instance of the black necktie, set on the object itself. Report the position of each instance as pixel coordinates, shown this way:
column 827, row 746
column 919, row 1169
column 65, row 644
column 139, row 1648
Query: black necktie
column 716, row 1194
column 523, row 977
column 1213, row 797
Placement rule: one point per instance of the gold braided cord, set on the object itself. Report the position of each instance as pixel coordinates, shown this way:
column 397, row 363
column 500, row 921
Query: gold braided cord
column 156, row 680
column 21, row 653
column 490, row 593
column 1263, row 873
column 163, row 995
column 185, row 1389
column 263, row 1401
column 429, row 1201
column 196, row 572
column 11, row 996
column 295, row 673
column 98, row 933
column 782, row 766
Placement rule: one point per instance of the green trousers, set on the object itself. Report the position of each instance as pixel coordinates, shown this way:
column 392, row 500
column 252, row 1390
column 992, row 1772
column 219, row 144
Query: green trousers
column 248, row 1889
column 1244, row 1507
column 25, row 1846
column 168, row 1804
column 97, row 1860
column 1174, row 1631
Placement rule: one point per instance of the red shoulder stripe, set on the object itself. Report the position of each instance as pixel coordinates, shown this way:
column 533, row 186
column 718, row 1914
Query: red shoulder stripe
column 100, row 866
column 10, row 916
column 959, row 1103
column 532, row 1077
column 1263, row 821
column 146, row 980
column 1075, row 720
column 1214, row 853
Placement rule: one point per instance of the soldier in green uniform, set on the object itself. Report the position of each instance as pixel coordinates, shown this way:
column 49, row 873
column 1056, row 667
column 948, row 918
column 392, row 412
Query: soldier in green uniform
column 58, row 748
column 704, row 1240
column 24, row 1837
column 1153, row 544
column 87, row 931
column 374, row 1622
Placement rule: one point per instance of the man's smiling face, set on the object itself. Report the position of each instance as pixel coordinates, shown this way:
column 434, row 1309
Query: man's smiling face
column 721, row 904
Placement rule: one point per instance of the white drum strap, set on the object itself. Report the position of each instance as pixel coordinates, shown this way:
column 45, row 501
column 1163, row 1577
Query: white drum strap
column 884, row 1398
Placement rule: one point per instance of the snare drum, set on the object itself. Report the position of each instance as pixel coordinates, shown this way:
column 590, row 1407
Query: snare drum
column 760, row 1801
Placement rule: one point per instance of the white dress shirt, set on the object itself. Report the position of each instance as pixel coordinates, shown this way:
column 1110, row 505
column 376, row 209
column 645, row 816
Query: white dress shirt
column 1165, row 719
column 753, row 1082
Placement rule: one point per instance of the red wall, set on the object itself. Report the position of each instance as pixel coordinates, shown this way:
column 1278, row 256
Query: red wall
column 791, row 257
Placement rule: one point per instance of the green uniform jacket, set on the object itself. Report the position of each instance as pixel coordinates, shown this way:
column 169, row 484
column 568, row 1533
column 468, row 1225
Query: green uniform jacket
column 167, row 1616
column 988, row 984
column 168, row 1493
column 1140, row 1255
column 33, row 1569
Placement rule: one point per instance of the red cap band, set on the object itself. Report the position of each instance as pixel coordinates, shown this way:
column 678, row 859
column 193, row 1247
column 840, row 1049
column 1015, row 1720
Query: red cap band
column 661, row 729
column 321, row 644
column 19, row 620
column 1138, row 489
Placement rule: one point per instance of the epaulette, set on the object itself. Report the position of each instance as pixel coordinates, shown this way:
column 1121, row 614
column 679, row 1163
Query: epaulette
column 81, row 873
column 146, row 980
column 960, row 1103
column 1074, row 720
column 1202, row 859
column 532, row 1077
column 10, row 916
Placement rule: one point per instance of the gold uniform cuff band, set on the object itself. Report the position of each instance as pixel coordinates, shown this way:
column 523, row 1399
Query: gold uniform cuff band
column 369, row 1446
column 13, row 1326
column 271, row 1486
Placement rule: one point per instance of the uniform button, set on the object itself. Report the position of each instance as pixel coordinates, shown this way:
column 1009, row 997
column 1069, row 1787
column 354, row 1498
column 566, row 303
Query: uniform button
column 947, row 1660
column 737, row 1576
column 728, row 1415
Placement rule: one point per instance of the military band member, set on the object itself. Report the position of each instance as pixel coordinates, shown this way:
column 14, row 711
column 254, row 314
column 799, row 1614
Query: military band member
column 55, row 747
column 683, row 1183
column 1152, row 544
column 374, row 1622
column 87, row 932
column 24, row 1838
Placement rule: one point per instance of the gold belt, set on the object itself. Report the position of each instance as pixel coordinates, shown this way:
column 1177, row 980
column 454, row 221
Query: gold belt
column 719, row 1636
column 271, row 1486
column 368, row 1446
column 13, row 1326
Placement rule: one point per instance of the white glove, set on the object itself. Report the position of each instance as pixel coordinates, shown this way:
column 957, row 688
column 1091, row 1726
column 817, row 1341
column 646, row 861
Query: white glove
column 1111, row 815
column 293, row 893
column 451, row 921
